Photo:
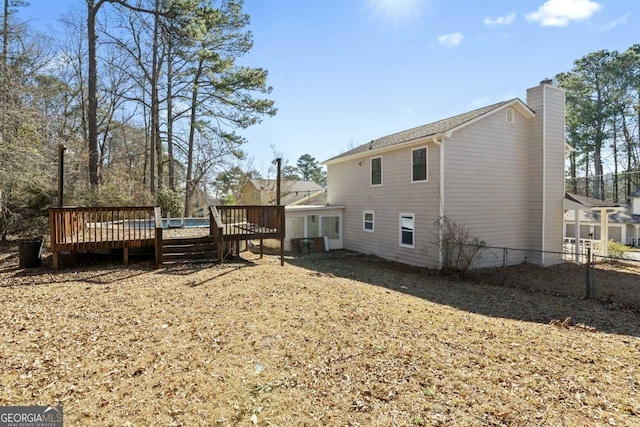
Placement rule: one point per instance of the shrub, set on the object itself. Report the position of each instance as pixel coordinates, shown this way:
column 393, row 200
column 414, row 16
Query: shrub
column 169, row 201
column 459, row 248
column 616, row 250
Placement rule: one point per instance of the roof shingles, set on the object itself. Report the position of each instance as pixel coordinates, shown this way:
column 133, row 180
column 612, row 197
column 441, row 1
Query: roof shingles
column 423, row 131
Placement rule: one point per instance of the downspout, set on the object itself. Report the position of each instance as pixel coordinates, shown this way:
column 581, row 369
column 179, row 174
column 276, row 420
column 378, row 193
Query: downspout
column 440, row 142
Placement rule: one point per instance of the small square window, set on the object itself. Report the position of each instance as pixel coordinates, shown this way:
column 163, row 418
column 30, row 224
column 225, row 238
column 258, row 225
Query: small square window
column 367, row 221
column 376, row 171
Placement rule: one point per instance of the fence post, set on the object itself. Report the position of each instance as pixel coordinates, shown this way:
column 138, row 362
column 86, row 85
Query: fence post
column 588, row 282
column 504, row 257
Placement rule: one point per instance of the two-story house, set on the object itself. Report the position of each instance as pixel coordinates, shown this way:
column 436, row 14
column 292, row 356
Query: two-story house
column 498, row 170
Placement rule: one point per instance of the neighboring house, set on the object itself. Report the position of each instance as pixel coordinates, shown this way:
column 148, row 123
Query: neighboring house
column 263, row 192
column 623, row 220
column 498, row 170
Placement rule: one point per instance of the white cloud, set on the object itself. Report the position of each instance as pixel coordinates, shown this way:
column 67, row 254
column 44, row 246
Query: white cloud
column 397, row 11
column 622, row 20
column 500, row 20
column 559, row 13
column 450, row 40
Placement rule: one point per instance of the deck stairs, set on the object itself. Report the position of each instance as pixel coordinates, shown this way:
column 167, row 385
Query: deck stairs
column 194, row 249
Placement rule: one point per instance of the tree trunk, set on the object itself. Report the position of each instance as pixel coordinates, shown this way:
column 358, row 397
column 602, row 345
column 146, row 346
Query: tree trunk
column 572, row 171
column 192, row 133
column 172, row 173
column 94, row 179
column 155, row 108
column 615, row 160
column 586, row 175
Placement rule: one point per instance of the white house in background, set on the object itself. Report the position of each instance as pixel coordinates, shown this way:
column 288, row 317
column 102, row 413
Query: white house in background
column 499, row 170
column 623, row 221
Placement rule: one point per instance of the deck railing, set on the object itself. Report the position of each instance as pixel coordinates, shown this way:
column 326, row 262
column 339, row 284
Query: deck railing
column 597, row 248
column 251, row 222
column 251, row 219
column 89, row 228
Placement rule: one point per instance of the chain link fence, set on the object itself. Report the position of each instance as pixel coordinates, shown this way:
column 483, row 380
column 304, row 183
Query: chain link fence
column 613, row 281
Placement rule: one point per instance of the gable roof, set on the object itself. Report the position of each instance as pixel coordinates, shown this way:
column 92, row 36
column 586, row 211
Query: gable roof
column 439, row 127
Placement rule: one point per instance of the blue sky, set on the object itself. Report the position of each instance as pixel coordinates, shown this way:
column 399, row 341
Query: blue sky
column 345, row 72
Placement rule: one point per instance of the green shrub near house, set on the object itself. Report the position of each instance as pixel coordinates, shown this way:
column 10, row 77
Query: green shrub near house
column 617, row 250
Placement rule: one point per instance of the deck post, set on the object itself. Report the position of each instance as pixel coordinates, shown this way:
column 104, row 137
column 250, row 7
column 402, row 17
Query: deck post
column 282, row 227
column 157, row 213
column 158, row 245
column 125, row 255
column 53, row 232
column 261, row 248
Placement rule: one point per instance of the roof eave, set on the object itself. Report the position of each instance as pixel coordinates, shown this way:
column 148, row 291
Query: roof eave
column 404, row 144
column 520, row 106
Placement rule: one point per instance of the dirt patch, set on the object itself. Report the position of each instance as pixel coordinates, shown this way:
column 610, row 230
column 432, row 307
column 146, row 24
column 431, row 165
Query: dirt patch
column 325, row 340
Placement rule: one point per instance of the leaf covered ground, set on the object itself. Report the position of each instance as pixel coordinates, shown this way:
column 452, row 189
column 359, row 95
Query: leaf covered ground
column 325, row 340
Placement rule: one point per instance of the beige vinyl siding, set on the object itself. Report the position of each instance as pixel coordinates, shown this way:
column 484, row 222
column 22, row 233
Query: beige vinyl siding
column 536, row 165
column 349, row 183
column 487, row 182
column 554, row 168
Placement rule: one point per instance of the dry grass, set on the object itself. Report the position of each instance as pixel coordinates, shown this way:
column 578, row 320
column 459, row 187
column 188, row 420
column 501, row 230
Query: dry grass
column 337, row 340
column 614, row 283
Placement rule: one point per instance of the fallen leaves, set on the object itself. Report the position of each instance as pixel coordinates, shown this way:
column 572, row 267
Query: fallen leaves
column 259, row 344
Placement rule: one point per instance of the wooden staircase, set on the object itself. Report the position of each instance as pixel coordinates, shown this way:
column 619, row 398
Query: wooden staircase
column 195, row 249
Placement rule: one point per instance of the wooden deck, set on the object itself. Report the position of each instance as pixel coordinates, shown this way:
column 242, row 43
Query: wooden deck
column 87, row 229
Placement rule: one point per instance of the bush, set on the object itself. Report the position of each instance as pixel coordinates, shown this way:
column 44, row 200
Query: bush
column 169, row 201
column 617, row 250
column 459, row 248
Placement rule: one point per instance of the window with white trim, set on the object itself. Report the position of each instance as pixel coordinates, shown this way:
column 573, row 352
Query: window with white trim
column 368, row 221
column 376, row 171
column 294, row 227
column 330, row 226
column 511, row 115
column 419, row 164
column 407, row 230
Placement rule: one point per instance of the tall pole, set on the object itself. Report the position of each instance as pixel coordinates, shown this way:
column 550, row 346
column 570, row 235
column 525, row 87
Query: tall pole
column 279, row 163
column 61, row 150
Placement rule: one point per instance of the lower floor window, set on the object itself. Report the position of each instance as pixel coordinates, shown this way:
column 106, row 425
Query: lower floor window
column 331, row 227
column 295, row 227
column 407, row 230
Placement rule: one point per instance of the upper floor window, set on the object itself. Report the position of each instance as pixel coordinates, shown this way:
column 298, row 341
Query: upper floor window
column 419, row 164
column 376, row 171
